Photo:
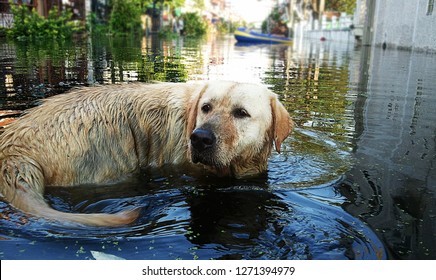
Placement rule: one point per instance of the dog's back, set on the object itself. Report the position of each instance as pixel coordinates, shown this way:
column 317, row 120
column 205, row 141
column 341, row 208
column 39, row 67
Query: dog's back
column 92, row 135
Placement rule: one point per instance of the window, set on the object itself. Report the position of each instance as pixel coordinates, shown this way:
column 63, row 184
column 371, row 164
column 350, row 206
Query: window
column 430, row 7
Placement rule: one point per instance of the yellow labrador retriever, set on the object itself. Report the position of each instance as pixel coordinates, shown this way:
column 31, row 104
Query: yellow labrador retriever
column 100, row 134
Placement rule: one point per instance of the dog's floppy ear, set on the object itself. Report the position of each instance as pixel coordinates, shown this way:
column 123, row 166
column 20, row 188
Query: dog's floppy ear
column 282, row 122
column 192, row 111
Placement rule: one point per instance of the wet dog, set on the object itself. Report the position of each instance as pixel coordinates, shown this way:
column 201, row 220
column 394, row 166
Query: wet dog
column 101, row 134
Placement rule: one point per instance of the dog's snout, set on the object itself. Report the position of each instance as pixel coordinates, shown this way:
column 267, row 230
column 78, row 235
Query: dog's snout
column 202, row 139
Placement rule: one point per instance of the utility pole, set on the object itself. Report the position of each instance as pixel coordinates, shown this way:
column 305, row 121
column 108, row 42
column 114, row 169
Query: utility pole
column 369, row 23
column 321, row 9
column 291, row 17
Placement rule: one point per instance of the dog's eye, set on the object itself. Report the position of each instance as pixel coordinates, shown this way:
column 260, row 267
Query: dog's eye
column 241, row 113
column 206, row 108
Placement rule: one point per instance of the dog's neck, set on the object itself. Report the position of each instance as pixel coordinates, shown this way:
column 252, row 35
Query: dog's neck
column 159, row 129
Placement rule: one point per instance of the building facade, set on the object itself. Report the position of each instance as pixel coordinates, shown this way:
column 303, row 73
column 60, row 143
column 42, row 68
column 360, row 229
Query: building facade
column 402, row 24
column 79, row 8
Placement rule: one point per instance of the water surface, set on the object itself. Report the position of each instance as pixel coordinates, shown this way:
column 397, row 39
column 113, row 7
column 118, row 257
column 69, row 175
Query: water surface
column 356, row 179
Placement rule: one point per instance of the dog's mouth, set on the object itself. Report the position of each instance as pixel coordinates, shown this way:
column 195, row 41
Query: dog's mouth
column 206, row 158
column 211, row 165
column 203, row 148
column 199, row 158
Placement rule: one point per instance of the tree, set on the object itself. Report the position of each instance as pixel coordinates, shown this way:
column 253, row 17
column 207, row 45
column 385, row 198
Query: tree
column 125, row 16
column 346, row 6
column 199, row 4
column 170, row 3
column 194, row 25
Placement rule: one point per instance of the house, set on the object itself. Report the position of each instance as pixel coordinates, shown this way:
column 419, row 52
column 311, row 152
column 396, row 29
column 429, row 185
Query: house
column 401, row 24
column 78, row 7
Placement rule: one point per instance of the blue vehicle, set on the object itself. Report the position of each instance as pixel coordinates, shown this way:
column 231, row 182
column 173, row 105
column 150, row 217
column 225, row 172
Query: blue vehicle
column 245, row 35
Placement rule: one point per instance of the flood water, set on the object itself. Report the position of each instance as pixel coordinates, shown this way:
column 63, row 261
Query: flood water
column 356, row 179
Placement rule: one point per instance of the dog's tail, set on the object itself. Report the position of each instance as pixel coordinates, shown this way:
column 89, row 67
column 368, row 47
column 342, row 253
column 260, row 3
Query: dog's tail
column 22, row 185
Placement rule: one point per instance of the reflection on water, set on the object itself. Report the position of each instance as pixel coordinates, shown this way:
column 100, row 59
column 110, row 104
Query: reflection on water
column 354, row 181
column 395, row 180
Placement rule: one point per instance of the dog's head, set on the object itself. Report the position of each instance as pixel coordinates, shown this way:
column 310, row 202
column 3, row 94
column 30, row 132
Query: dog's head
column 232, row 127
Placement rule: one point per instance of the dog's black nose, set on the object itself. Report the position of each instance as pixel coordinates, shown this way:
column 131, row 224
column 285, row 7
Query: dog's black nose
column 202, row 139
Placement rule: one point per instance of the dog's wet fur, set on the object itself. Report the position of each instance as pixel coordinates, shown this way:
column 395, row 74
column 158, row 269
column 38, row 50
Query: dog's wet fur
column 101, row 134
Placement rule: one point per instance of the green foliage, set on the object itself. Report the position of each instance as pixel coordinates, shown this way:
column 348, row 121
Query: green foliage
column 96, row 26
column 3, row 31
column 275, row 14
column 264, row 26
column 199, row 4
column 224, row 27
column 170, row 3
column 194, row 25
column 167, row 32
column 347, row 6
column 125, row 17
column 273, row 18
column 29, row 25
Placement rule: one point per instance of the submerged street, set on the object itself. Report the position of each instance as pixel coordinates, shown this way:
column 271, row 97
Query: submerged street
column 356, row 179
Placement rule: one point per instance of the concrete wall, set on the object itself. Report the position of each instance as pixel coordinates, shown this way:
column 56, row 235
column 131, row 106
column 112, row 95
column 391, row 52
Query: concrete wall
column 395, row 148
column 330, row 35
column 404, row 24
